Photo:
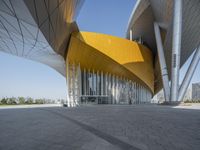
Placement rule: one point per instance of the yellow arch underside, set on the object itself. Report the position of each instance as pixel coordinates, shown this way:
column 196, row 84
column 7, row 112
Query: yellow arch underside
column 113, row 55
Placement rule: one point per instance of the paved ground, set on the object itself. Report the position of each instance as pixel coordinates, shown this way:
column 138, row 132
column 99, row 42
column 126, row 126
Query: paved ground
column 29, row 106
column 189, row 106
column 103, row 127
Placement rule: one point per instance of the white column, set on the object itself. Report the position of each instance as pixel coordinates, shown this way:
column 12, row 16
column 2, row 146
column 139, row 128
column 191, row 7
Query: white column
column 131, row 35
column 93, row 81
column 140, row 93
column 135, row 93
column 138, row 96
column 102, row 83
column 67, row 80
column 73, row 85
column 79, row 84
column 97, row 83
column 106, row 84
column 117, row 90
column 109, row 88
column 176, row 49
column 88, row 82
column 163, row 67
column 189, row 74
column 113, row 94
column 134, row 86
column 84, row 82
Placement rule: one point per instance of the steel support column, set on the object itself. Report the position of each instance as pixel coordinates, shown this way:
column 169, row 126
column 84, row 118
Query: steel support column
column 163, row 67
column 67, row 80
column 73, row 85
column 84, row 82
column 113, row 92
column 189, row 74
column 97, row 83
column 131, row 35
column 93, row 82
column 79, row 84
column 176, row 49
column 102, row 85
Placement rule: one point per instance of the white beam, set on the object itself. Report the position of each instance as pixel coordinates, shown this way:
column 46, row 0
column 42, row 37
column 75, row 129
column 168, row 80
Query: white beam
column 189, row 74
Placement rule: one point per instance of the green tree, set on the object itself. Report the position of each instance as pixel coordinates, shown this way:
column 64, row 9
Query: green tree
column 11, row 101
column 29, row 101
column 39, row 101
column 21, row 100
column 4, row 101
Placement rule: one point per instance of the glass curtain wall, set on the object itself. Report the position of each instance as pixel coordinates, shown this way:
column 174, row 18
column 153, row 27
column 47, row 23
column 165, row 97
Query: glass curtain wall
column 89, row 86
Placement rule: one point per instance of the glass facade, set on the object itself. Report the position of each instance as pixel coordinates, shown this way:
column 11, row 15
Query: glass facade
column 89, row 86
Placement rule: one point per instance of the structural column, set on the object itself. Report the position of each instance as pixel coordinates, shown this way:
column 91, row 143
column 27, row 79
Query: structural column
column 189, row 74
column 102, row 83
column 72, row 91
column 67, row 80
column 93, row 82
column 113, row 92
column 84, row 82
column 117, row 89
column 176, row 49
column 88, row 82
column 79, row 84
column 163, row 67
column 131, row 35
column 97, row 83
column 109, row 89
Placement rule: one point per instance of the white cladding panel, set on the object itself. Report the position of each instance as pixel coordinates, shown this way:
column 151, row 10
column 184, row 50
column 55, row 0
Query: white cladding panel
column 149, row 11
column 38, row 29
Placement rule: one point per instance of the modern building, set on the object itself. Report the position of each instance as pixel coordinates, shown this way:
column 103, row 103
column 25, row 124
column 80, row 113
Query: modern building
column 170, row 28
column 104, row 69
column 196, row 91
column 188, row 95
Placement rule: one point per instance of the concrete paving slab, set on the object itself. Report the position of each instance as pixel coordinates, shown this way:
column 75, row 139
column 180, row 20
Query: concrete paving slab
column 101, row 127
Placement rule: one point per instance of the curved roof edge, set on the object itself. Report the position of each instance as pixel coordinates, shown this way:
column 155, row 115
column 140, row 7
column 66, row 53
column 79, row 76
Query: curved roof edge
column 139, row 7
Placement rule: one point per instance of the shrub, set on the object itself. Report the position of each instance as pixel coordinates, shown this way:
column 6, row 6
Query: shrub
column 3, row 101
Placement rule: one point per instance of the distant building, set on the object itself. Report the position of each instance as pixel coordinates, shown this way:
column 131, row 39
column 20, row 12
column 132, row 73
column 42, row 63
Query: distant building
column 188, row 95
column 196, row 91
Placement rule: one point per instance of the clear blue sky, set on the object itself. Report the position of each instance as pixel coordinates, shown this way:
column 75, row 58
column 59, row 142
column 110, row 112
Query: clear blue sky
column 21, row 77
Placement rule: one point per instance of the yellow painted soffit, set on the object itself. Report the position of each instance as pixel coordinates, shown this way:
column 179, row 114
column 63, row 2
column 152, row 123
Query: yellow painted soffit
column 134, row 57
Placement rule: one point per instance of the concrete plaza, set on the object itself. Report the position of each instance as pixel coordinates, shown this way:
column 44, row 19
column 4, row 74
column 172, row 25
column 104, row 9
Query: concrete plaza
column 100, row 127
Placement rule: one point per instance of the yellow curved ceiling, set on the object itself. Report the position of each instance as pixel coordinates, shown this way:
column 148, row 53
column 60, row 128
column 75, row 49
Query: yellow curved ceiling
column 114, row 55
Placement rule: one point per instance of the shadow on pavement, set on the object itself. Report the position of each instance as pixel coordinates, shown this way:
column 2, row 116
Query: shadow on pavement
column 113, row 140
